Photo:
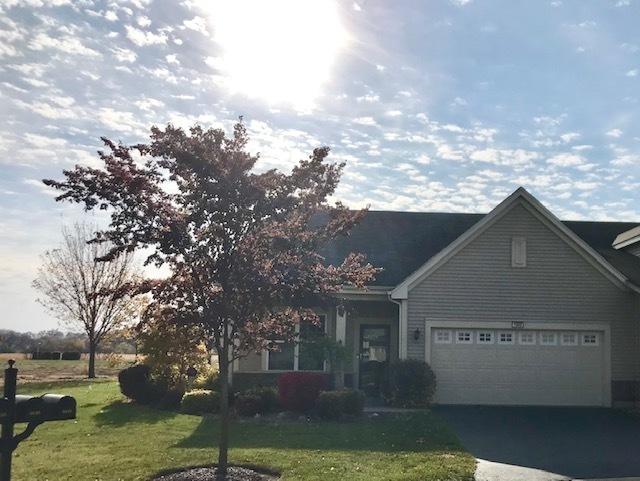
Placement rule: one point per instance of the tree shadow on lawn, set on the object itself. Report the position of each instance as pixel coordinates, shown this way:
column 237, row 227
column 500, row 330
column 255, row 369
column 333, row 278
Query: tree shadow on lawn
column 120, row 413
column 417, row 432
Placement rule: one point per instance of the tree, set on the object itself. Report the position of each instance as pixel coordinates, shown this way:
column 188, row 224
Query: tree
column 242, row 247
column 85, row 293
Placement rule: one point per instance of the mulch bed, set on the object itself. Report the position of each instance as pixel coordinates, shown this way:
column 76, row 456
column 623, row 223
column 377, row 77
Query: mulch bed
column 234, row 473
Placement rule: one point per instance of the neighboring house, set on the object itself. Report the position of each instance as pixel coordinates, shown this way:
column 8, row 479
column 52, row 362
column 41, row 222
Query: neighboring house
column 513, row 307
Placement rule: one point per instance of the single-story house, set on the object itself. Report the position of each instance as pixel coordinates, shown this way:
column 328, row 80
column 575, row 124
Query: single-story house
column 514, row 307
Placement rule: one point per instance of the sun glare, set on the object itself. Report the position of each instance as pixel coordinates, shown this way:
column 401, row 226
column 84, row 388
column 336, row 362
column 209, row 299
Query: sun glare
column 281, row 51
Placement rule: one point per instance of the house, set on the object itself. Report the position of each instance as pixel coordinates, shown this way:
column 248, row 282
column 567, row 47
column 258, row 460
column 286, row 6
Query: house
column 514, row 307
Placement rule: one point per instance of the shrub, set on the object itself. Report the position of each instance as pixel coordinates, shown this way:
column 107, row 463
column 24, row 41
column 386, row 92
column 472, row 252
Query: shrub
column 409, row 383
column 137, row 384
column 298, row 391
column 46, row 356
column 208, row 379
column 200, row 401
column 343, row 402
column 259, row 400
column 171, row 399
column 71, row 356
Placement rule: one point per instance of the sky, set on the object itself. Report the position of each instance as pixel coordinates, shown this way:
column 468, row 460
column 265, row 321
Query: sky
column 445, row 105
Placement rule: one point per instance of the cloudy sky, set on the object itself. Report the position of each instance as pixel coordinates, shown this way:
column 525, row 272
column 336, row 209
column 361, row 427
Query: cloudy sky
column 442, row 105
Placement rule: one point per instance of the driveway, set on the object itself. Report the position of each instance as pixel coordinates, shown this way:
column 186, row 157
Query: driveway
column 540, row 444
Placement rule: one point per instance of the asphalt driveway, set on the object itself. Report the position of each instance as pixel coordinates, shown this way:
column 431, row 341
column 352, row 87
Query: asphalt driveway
column 547, row 443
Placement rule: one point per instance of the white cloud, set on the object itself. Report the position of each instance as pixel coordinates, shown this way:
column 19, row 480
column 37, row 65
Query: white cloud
column 149, row 104
column 42, row 141
column 111, row 16
column 393, row 113
column 142, row 38
column 460, row 3
column 124, row 54
column 632, row 73
column 197, row 24
column 570, row 137
column 615, row 133
column 566, row 160
column 66, row 44
column 173, row 58
column 369, row 121
column 143, row 21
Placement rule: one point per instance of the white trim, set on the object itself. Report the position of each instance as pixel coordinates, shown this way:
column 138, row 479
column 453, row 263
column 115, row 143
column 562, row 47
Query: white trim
column 569, row 343
column 485, row 334
column 590, row 344
column 341, row 325
column 533, row 338
column 296, row 352
column 403, row 329
column 601, row 328
column 465, row 332
column 499, row 340
column 554, row 342
column 524, row 198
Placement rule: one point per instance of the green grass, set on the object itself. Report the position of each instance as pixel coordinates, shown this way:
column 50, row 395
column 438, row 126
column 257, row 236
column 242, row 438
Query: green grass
column 115, row 440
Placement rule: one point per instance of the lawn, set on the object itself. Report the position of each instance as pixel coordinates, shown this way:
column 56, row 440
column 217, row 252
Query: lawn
column 114, row 440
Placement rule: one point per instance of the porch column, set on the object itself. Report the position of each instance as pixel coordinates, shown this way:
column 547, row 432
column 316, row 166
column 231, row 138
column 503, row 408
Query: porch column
column 403, row 329
column 341, row 325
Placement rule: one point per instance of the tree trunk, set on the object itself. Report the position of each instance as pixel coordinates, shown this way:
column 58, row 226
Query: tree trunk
column 223, row 447
column 92, row 359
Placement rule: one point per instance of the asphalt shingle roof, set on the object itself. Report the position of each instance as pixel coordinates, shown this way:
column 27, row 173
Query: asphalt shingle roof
column 400, row 242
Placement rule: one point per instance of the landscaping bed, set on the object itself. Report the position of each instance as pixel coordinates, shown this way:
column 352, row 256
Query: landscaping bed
column 208, row 473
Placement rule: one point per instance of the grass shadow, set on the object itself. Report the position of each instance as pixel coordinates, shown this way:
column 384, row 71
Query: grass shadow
column 120, row 413
column 417, row 432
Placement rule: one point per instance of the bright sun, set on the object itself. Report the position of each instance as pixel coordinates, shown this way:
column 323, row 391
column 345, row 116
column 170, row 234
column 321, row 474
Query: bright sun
column 280, row 51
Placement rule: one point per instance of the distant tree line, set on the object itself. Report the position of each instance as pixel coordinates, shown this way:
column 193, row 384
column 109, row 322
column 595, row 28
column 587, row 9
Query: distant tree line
column 119, row 342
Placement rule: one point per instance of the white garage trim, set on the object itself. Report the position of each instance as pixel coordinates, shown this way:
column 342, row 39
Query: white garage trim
column 580, row 327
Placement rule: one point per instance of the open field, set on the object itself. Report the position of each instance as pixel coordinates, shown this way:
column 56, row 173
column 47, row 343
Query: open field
column 49, row 371
column 116, row 441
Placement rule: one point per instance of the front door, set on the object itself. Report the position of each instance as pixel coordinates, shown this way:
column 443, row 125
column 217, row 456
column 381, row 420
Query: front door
column 375, row 347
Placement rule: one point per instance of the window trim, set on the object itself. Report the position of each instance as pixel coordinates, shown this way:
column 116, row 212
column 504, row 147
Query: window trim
column 491, row 335
column 464, row 331
column 533, row 338
column 590, row 344
column 573, row 343
column 449, row 339
column 518, row 251
column 555, row 338
column 506, row 343
column 296, row 352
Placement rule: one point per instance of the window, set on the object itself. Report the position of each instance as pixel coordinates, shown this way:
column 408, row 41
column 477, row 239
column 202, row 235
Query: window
column 527, row 338
column 301, row 355
column 505, row 338
column 569, row 339
column 442, row 336
column 485, row 337
column 590, row 339
column 464, row 337
column 518, row 252
column 548, row 339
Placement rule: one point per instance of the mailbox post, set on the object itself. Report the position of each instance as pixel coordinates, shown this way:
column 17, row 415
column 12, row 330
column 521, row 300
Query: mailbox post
column 26, row 409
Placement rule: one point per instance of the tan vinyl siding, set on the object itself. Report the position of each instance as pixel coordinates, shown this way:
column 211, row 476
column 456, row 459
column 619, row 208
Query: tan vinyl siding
column 251, row 363
column 557, row 285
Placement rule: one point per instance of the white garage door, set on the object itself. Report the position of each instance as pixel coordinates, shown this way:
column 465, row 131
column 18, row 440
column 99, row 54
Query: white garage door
column 524, row 367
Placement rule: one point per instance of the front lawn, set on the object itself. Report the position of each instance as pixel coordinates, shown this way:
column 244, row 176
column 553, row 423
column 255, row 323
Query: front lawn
column 114, row 440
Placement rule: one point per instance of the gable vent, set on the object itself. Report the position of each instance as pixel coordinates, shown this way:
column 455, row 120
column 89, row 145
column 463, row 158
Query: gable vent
column 518, row 252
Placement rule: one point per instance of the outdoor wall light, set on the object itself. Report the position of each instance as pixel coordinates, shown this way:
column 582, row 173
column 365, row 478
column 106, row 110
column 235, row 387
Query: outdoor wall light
column 416, row 334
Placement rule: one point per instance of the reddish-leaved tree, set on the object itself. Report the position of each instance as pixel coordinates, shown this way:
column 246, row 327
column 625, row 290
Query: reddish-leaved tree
column 243, row 248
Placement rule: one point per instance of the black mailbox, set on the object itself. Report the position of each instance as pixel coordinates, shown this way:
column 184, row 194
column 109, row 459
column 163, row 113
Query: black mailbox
column 28, row 409
column 57, row 407
column 4, row 410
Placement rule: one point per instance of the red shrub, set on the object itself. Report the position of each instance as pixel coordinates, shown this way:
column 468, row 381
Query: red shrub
column 298, row 391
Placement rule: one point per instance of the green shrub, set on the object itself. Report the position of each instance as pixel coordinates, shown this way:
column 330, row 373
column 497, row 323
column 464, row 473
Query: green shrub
column 340, row 403
column 208, row 379
column 137, row 383
column 409, row 384
column 259, row 400
column 201, row 401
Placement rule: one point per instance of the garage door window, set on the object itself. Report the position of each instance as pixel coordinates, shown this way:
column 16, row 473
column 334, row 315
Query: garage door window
column 548, row 339
column 485, row 337
column 569, row 339
column 527, row 338
column 505, row 338
column 443, row 336
column 590, row 339
column 464, row 337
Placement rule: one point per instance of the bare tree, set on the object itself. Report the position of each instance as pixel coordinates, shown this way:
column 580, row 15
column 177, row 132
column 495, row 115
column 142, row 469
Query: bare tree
column 85, row 292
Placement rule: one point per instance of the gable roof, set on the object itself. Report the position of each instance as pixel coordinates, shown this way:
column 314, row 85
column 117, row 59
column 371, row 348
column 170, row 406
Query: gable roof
column 402, row 242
